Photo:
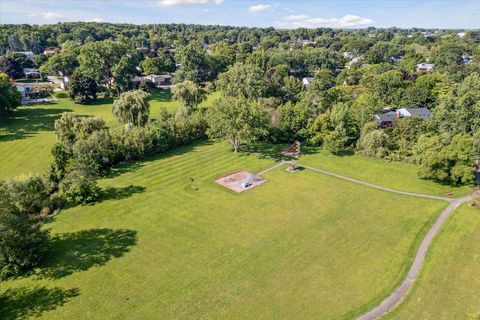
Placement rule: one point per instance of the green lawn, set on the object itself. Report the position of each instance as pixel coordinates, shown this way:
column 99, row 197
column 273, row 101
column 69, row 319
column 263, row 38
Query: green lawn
column 301, row 246
column 396, row 175
column 27, row 138
column 449, row 283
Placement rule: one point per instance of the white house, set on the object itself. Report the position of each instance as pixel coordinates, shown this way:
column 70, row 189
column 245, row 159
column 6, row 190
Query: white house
column 31, row 73
column 425, row 67
column 423, row 113
column 157, row 80
column 307, row 81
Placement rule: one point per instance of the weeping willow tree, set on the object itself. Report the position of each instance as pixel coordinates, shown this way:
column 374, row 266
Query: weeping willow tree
column 189, row 94
column 132, row 108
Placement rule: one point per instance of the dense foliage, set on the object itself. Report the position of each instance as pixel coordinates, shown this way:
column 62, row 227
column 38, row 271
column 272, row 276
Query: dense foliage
column 22, row 239
column 10, row 98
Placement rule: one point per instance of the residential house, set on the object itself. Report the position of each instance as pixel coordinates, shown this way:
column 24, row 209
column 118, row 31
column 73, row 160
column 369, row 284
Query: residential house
column 307, row 81
column 29, row 54
column 50, row 51
column 31, row 73
column 386, row 119
column 425, row 67
column 423, row 113
column 395, row 59
column 163, row 80
column 25, row 89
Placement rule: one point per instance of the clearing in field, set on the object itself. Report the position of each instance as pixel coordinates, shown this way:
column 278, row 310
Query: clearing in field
column 241, row 181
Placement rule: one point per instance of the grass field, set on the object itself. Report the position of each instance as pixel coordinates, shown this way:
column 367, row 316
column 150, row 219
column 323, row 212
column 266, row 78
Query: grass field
column 27, row 138
column 449, row 283
column 396, row 175
column 301, row 246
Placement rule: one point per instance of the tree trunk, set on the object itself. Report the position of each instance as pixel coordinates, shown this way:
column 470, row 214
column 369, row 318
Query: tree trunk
column 236, row 144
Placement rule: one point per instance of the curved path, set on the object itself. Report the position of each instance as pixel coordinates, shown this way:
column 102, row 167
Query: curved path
column 421, row 195
column 396, row 296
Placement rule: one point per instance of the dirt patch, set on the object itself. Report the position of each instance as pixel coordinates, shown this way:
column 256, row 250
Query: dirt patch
column 241, row 181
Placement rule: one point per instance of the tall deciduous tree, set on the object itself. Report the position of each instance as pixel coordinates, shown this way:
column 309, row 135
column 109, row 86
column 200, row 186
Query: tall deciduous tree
column 158, row 65
column 82, row 87
column 60, row 64
column 237, row 120
column 11, row 67
column 10, row 98
column 109, row 62
column 242, row 80
column 132, row 108
column 193, row 64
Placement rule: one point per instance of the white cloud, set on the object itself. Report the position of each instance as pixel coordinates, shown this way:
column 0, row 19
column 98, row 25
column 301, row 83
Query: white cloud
column 259, row 8
column 95, row 20
column 303, row 21
column 169, row 3
column 295, row 17
column 47, row 15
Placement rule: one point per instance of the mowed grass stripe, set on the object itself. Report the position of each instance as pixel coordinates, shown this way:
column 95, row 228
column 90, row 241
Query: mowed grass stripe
column 298, row 246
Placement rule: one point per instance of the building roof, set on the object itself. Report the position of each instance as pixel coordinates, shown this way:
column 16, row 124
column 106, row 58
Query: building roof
column 386, row 117
column 309, row 79
column 418, row 111
column 425, row 65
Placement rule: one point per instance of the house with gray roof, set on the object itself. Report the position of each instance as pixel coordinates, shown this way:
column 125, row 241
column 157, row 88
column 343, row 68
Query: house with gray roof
column 423, row 113
column 386, row 119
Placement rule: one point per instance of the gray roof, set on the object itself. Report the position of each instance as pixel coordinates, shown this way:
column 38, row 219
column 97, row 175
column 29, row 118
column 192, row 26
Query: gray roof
column 386, row 117
column 418, row 111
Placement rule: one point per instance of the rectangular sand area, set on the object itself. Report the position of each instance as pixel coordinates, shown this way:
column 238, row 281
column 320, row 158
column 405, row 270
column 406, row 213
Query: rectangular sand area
column 235, row 180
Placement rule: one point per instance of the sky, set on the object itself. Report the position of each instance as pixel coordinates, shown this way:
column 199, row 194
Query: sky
column 455, row 14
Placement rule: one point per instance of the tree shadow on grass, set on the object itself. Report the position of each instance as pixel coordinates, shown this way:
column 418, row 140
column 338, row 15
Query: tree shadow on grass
column 79, row 251
column 133, row 165
column 20, row 303
column 112, row 193
column 27, row 121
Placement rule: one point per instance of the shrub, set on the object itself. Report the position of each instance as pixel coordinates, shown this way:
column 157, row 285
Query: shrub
column 23, row 242
column 29, row 196
column 79, row 188
column 446, row 159
column 96, row 151
column 335, row 142
column 373, row 144
column 61, row 94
